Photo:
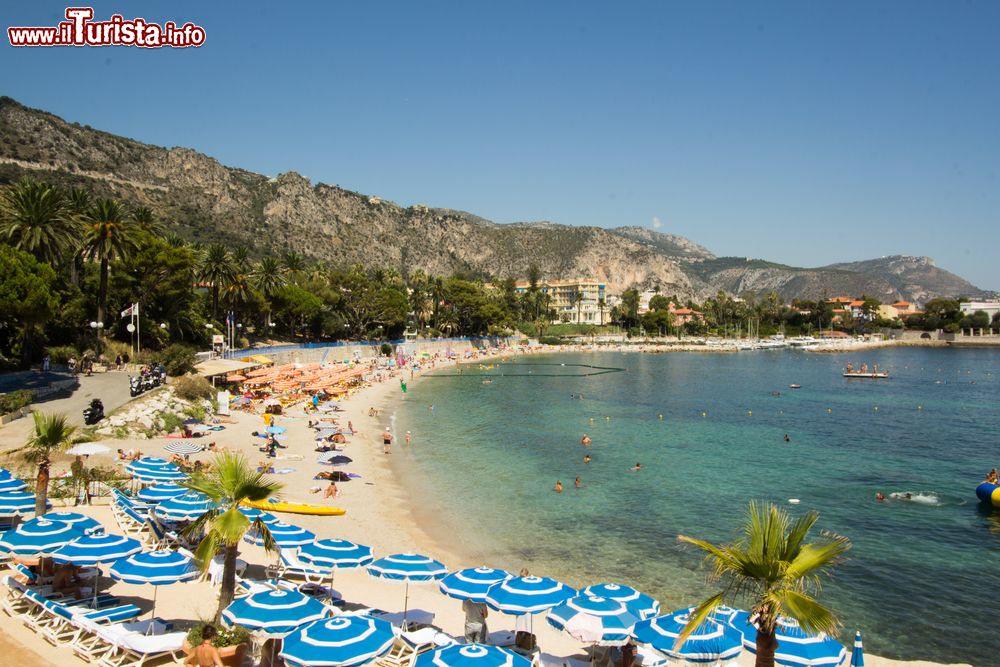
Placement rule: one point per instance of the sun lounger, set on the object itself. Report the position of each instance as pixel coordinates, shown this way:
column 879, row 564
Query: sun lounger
column 408, row 645
column 63, row 625
column 289, row 565
column 127, row 645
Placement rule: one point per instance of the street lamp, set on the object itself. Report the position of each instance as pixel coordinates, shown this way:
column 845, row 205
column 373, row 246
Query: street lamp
column 97, row 327
column 163, row 325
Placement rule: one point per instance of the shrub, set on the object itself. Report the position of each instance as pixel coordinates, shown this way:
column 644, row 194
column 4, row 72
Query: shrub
column 171, row 422
column 193, row 387
column 60, row 354
column 386, row 350
column 225, row 636
column 195, row 411
column 178, row 359
column 15, row 400
column 113, row 348
column 550, row 340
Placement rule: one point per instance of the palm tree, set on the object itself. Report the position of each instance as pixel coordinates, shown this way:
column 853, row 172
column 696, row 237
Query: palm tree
column 52, row 434
column 294, row 263
column 146, row 221
column 268, row 279
column 110, row 234
column 230, row 481
column 601, row 305
column 216, row 268
column 37, row 218
column 774, row 565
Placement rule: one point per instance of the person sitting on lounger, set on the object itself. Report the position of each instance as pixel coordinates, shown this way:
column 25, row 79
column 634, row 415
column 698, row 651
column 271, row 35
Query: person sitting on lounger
column 66, row 580
column 205, row 654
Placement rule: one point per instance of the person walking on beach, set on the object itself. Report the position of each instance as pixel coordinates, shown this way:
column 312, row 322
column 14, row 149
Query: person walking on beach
column 407, row 438
column 386, row 440
column 475, row 621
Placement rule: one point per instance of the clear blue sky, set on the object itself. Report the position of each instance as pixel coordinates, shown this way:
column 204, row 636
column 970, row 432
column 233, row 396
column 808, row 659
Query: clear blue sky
column 801, row 132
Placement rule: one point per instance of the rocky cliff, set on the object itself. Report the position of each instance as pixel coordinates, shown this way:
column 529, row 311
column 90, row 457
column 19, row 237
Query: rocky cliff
column 202, row 200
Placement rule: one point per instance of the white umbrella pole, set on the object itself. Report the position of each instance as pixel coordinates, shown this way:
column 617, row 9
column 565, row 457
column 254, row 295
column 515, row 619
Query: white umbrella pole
column 152, row 614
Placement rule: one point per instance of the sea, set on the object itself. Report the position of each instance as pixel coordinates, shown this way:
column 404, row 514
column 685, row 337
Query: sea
column 489, row 442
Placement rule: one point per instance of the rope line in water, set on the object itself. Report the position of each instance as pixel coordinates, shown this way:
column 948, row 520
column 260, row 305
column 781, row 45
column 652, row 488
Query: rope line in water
column 597, row 370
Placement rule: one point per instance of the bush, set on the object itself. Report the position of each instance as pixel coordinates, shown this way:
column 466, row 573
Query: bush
column 60, row 354
column 550, row 340
column 195, row 411
column 193, row 387
column 171, row 422
column 114, row 348
column 226, row 636
column 178, row 359
column 386, row 350
column 15, row 400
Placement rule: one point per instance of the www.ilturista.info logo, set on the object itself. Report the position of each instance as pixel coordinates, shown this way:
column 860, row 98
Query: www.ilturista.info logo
column 81, row 30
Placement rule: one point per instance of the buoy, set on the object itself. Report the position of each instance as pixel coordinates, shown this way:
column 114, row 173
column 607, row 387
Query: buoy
column 920, row 407
column 794, row 501
column 829, row 410
column 661, row 417
column 876, row 408
column 704, row 414
column 607, row 419
column 749, row 413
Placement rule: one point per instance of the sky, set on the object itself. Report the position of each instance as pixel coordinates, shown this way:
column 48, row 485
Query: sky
column 800, row 132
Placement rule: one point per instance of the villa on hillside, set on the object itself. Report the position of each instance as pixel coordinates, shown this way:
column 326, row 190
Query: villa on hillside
column 580, row 301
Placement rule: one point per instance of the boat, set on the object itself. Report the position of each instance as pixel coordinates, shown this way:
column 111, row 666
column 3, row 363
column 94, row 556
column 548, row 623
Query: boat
column 294, row 508
column 870, row 375
column 989, row 493
column 795, row 386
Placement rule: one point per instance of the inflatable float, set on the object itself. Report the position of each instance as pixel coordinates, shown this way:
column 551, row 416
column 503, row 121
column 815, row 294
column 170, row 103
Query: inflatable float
column 294, row 508
column 989, row 493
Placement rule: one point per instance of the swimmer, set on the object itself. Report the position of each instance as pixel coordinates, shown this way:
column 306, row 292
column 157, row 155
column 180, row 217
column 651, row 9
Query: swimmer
column 558, row 487
column 787, row 439
column 586, row 458
column 577, row 483
column 879, row 496
column 585, row 440
column 637, row 467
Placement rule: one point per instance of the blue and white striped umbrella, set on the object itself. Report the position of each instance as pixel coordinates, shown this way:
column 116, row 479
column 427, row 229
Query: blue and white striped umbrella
column 39, row 537
column 276, row 612
column 186, row 507
column 160, row 492
column 639, row 603
column 5, row 474
column 253, row 514
column 15, row 503
column 527, row 595
column 153, row 469
column 182, row 447
column 85, row 523
column 96, row 549
column 796, row 647
column 11, row 484
column 285, row 535
column 407, row 567
column 472, row 583
column 471, row 655
column 594, row 620
column 712, row 642
column 343, row 641
column 149, row 463
column 858, row 654
column 154, row 567
column 330, row 554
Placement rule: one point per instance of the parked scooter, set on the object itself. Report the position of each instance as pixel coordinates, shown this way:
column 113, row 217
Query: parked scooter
column 134, row 385
column 94, row 412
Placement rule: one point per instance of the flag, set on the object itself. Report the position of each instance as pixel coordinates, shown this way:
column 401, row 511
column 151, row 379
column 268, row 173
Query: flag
column 130, row 310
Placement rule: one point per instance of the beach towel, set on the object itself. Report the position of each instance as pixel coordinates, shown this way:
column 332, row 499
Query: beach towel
column 283, row 471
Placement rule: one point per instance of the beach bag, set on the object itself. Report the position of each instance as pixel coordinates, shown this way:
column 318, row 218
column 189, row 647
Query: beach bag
column 524, row 640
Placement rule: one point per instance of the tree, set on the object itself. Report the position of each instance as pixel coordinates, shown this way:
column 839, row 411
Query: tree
column 27, row 298
column 216, row 269
column 52, row 434
column 230, row 481
column 630, row 308
column 577, row 299
column 37, row 218
column 659, row 302
column 773, row 565
column 267, row 278
column 110, row 234
column 601, row 305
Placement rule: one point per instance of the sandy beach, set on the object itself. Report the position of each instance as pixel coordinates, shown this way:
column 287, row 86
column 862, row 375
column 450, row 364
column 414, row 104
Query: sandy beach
column 380, row 513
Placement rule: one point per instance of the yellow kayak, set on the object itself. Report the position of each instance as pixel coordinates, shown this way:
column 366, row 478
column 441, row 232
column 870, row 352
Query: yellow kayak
column 295, row 508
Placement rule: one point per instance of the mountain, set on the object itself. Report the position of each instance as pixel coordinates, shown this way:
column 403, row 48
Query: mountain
column 202, row 200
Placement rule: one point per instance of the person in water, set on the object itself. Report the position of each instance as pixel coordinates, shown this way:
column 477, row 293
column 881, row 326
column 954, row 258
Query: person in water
column 585, row 440
column 586, row 458
column 787, row 439
column 637, row 467
column 205, row 654
column 558, row 487
column 992, row 477
column 879, row 496
column 577, row 483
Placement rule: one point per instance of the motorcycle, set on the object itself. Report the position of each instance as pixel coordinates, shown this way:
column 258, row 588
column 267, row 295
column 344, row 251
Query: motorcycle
column 134, row 385
column 94, row 412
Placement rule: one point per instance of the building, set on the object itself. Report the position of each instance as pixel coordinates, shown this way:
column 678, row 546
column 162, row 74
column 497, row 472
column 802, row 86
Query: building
column 684, row 315
column 991, row 308
column 592, row 308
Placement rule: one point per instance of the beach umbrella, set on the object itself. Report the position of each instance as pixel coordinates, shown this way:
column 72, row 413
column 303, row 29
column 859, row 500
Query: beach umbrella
column 334, row 459
column 343, row 641
column 274, row 612
column 149, row 463
column 472, row 583
column 92, row 550
column 641, row 604
column 191, row 421
column 253, row 514
column 153, row 469
column 285, row 535
column 157, row 568
column 527, row 595
column 14, row 503
column 182, row 447
column 160, row 492
column 331, row 554
column 12, row 484
column 5, row 474
column 39, row 537
column 84, row 523
column 186, row 507
column 796, row 647
column 712, row 642
column 594, row 620
column 276, row 430
column 88, row 449
column 858, row 654
column 471, row 655
column 407, row 568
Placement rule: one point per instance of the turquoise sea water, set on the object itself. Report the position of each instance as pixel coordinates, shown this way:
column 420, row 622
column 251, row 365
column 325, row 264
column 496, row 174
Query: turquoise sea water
column 923, row 579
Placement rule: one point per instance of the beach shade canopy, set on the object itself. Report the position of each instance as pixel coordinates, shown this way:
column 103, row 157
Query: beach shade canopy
column 858, row 654
column 186, row 507
column 275, row 612
column 150, row 463
column 638, row 603
column 407, row 567
column 334, row 459
column 84, row 523
column 153, row 469
column 96, row 549
column 330, row 554
column 594, row 620
column 14, row 503
column 235, row 377
column 711, row 643
column 12, row 484
column 796, row 647
column 276, row 430
column 183, row 447
column 473, row 583
column 343, row 641
column 39, row 537
column 471, row 655
column 160, row 492
column 88, row 449
column 5, row 474
column 253, row 514
column 154, row 567
column 285, row 535
column 527, row 595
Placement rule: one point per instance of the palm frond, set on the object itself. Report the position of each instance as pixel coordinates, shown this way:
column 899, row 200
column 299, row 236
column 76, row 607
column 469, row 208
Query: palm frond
column 811, row 615
column 814, row 558
column 207, row 548
column 702, row 612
